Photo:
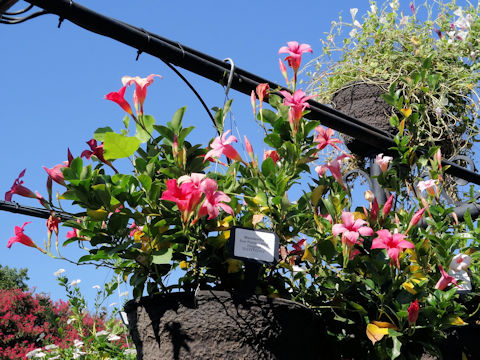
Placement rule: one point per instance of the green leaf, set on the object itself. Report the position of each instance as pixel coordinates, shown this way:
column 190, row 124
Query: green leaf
column 144, row 128
column 163, row 256
column 146, row 181
column 126, row 121
column 176, row 123
column 99, row 134
column 117, row 146
column 468, row 220
column 397, row 345
column 268, row 167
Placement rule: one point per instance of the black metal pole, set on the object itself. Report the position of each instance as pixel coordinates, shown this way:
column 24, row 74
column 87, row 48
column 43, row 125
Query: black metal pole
column 14, row 207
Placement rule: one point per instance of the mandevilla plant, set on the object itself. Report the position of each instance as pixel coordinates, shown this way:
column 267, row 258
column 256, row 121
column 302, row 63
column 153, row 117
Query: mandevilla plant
column 385, row 286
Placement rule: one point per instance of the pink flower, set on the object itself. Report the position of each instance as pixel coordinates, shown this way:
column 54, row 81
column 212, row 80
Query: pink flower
column 412, row 312
column 383, row 162
column 334, row 167
column 392, row 243
column 387, row 206
column 19, row 189
column 96, row 150
column 118, row 97
column 141, row 85
column 351, row 229
column 428, row 185
column 221, row 145
column 253, row 101
column 297, row 103
column 295, row 52
column 324, row 138
column 213, row 200
column 249, row 148
column 187, row 197
column 271, row 154
column 52, row 224
column 283, row 70
column 416, row 217
column 262, row 91
column 354, row 253
column 22, row 238
column 56, row 173
column 445, row 279
column 72, row 233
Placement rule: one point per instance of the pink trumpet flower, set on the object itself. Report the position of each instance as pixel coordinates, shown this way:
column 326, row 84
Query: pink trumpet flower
column 297, row 103
column 394, row 244
column 445, row 279
column 324, row 138
column 387, row 206
column 22, row 238
column 271, row 154
column 351, row 229
column 334, row 167
column 55, row 173
column 213, row 200
column 429, row 186
column 283, row 70
column 383, row 162
column 294, row 51
column 19, row 189
column 118, row 97
column 221, row 145
column 187, row 196
column 141, row 85
column 96, row 150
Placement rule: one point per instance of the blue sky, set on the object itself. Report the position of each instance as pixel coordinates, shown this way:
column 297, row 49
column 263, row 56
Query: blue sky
column 54, row 82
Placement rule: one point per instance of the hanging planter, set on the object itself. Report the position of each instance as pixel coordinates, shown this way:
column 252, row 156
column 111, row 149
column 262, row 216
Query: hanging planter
column 219, row 325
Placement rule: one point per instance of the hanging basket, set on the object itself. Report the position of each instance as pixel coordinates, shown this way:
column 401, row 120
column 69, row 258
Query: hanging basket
column 363, row 101
column 219, row 325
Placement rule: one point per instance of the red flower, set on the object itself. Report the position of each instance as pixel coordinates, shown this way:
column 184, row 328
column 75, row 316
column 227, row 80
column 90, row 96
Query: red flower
column 445, row 280
column 271, row 154
column 118, row 97
column 19, row 189
column 52, row 224
column 22, row 238
column 96, row 150
column 324, row 138
column 392, row 243
column 413, row 310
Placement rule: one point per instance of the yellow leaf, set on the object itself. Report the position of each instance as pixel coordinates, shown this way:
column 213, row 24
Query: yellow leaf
column 415, row 40
column 260, row 199
column 375, row 333
column 401, row 126
column 184, row 265
column 406, row 112
column 137, row 237
column 384, row 324
column 359, row 215
column 457, row 321
column 225, row 223
column 234, row 265
column 317, row 194
column 407, row 285
column 257, row 218
column 100, row 214
column 307, row 255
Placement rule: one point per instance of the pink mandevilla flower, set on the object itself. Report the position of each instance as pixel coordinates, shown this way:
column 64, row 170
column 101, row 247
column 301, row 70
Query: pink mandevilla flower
column 72, row 233
column 351, row 229
column 187, row 196
column 96, row 150
column 22, row 238
column 324, row 138
column 334, row 167
column 19, row 189
column 429, row 186
column 445, row 279
column 221, row 145
column 383, row 162
column 412, row 312
column 271, row 154
column 213, row 200
column 294, row 51
column 297, row 103
column 118, row 97
column 394, row 244
column 56, row 173
column 387, row 206
column 141, row 85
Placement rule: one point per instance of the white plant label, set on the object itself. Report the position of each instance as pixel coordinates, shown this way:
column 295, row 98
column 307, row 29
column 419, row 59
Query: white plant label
column 255, row 245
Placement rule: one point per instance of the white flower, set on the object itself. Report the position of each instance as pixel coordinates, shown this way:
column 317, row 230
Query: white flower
column 96, row 287
column 113, row 337
column 130, row 351
column 33, row 352
column 101, row 333
column 75, row 282
column 330, row 38
column 382, row 20
column 394, row 4
column 460, row 262
column 55, row 357
column 40, row 354
column 353, row 33
column 51, row 347
column 438, row 111
column 78, row 353
column 58, row 272
column 297, row 268
column 458, row 12
column 112, row 304
column 77, row 343
column 373, row 9
column 353, row 12
column 357, row 24
column 70, row 320
column 404, row 20
column 125, row 293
